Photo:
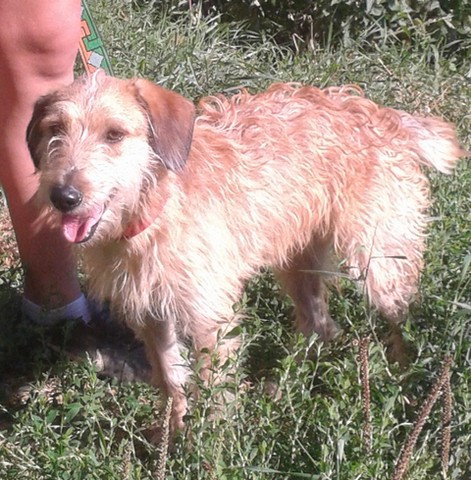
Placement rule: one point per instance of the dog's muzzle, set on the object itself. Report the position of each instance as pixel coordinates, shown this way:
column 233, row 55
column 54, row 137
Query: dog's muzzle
column 77, row 226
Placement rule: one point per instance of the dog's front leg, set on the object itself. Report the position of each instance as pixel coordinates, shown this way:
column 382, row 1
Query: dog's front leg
column 169, row 373
column 213, row 347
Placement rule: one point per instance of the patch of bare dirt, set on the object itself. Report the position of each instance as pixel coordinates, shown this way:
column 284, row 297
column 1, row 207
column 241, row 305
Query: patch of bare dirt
column 9, row 257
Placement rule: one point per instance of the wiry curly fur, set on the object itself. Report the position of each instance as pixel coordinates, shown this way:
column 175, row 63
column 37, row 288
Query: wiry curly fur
column 177, row 211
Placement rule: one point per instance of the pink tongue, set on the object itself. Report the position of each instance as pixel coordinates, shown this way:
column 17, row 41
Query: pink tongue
column 76, row 228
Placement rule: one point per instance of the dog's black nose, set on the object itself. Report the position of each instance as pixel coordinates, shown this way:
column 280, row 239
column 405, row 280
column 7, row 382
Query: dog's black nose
column 65, row 197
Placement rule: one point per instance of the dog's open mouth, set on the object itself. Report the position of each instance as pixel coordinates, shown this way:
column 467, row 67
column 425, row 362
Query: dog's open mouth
column 80, row 228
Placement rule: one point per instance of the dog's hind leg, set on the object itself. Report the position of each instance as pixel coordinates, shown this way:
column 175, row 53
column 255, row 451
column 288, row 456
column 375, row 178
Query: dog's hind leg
column 302, row 281
column 385, row 262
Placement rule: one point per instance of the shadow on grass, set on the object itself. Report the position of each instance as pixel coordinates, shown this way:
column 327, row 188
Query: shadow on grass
column 27, row 351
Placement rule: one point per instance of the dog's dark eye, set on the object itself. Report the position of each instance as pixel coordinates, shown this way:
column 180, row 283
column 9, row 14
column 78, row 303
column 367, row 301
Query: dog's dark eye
column 114, row 135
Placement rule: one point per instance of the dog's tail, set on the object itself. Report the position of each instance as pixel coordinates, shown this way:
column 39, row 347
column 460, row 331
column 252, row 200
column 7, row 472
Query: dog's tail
column 436, row 142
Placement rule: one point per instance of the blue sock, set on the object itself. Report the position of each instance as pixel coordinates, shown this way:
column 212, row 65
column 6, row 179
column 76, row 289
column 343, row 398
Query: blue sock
column 78, row 309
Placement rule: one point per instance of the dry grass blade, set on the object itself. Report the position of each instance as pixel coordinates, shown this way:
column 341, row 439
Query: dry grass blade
column 165, row 440
column 406, row 452
column 365, row 391
column 446, row 421
column 126, row 464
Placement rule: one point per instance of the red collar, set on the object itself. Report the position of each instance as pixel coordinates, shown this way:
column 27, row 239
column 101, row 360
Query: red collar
column 135, row 228
column 138, row 225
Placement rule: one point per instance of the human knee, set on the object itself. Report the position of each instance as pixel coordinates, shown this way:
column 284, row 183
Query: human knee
column 41, row 42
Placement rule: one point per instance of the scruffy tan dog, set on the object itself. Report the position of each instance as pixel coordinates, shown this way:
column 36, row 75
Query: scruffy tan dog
column 175, row 209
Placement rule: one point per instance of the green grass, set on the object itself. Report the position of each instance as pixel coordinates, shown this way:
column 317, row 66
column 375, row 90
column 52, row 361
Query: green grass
column 70, row 424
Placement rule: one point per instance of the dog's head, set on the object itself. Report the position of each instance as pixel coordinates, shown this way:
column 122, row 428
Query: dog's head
column 101, row 145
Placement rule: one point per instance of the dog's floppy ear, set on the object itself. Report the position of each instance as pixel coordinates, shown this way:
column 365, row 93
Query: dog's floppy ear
column 171, row 120
column 34, row 131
